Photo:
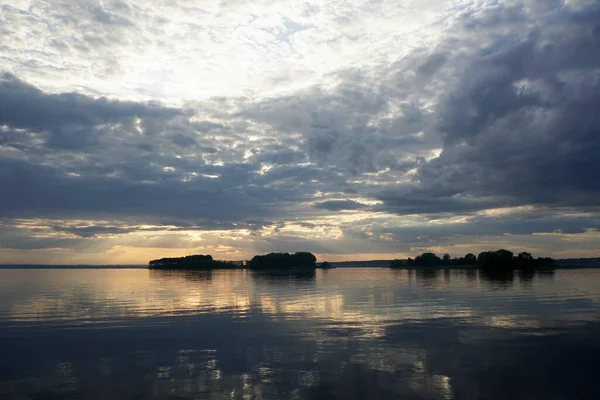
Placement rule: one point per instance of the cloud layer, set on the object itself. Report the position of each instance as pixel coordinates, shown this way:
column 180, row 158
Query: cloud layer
column 468, row 125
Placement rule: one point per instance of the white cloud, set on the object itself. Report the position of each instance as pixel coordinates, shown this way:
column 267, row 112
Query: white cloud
column 191, row 50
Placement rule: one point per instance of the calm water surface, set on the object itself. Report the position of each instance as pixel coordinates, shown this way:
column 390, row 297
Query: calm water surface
column 338, row 334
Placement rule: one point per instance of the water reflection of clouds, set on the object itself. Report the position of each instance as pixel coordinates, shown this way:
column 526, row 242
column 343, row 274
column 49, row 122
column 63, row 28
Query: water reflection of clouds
column 232, row 333
column 377, row 301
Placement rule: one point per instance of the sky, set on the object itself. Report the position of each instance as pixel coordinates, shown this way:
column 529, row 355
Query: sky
column 133, row 130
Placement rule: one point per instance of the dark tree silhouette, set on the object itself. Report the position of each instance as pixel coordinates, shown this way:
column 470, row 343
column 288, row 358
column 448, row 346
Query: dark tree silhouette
column 470, row 259
column 427, row 260
column 196, row 262
column 446, row 260
column 499, row 259
column 495, row 259
column 286, row 261
column 283, row 261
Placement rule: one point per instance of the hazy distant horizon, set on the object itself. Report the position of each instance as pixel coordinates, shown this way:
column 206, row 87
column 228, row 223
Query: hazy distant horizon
column 347, row 264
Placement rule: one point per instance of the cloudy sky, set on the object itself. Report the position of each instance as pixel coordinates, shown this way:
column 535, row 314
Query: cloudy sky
column 364, row 129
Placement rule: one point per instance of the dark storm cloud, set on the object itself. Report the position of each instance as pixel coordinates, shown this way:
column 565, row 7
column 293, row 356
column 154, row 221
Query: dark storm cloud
column 82, row 157
column 71, row 121
column 340, row 205
column 485, row 225
column 82, row 239
column 431, row 64
column 282, row 156
column 91, row 231
column 522, row 125
column 27, row 107
column 43, row 191
column 433, row 200
column 348, row 127
column 25, row 241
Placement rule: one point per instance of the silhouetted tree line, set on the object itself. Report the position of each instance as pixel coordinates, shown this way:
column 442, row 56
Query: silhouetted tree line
column 197, row 262
column 283, row 260
column 487, row 259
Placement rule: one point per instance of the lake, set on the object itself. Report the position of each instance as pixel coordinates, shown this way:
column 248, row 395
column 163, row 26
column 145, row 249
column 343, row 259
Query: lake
column 351, row 333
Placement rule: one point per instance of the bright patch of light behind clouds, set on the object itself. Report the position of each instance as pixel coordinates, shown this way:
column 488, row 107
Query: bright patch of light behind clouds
column 360, row 129
column 179, row 51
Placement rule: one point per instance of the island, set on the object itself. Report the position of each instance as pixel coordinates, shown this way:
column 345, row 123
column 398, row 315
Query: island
column 194, row 262
column 499, row 259
column 271, row 261
column 286, row 261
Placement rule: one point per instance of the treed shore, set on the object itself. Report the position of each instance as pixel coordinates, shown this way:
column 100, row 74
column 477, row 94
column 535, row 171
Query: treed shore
column 287, row 261
column 499, row 259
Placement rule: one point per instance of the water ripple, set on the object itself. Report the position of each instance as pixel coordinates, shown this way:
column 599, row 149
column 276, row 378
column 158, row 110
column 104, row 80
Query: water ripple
column 344, row 333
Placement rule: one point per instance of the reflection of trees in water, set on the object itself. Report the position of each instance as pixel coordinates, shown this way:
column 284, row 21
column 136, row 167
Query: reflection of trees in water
column 199, row 276
column 528, row 276
column 427, row 276
column 497, row 277
column 470, row 274
column 431, row 276
column 401, row 274
column 447, row 275
column 546, row 273
column 501, row 277
column 271, row 275
column 283, row 276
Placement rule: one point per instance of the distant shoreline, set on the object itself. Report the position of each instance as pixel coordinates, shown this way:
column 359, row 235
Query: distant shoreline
column 70, row 266
column 435, row 267
column 335, row 266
